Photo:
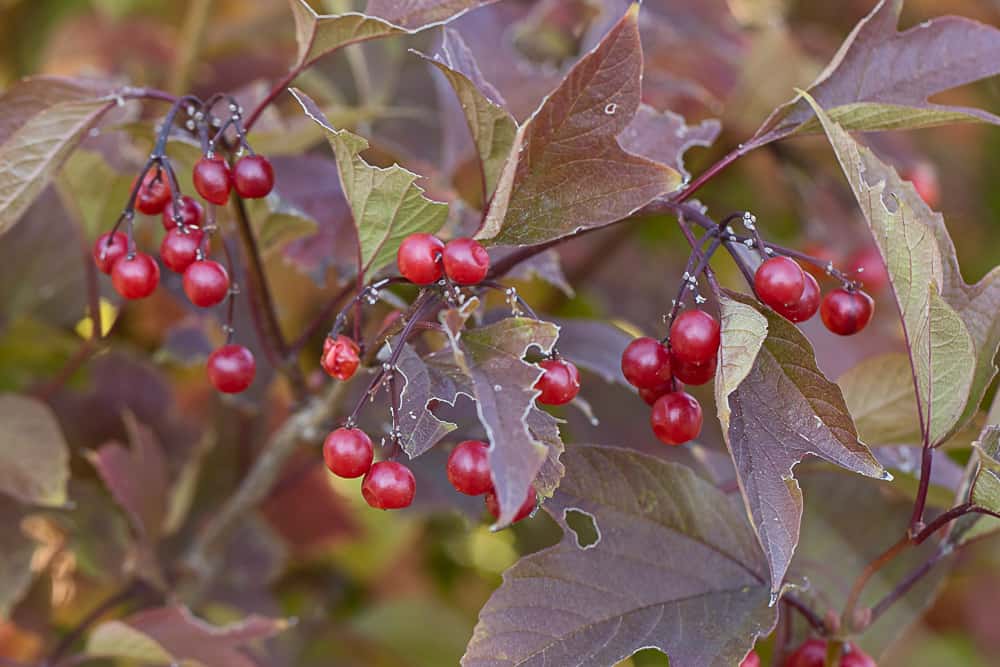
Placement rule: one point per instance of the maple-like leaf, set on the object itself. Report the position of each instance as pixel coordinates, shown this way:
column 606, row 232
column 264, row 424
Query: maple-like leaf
column 422, row 384
column 665, row 136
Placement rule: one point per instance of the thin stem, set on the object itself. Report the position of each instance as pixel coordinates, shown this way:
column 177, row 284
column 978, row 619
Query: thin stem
column 870, row 571
column 74, row 635
column 907, row 583
column 732, row 156
column 272, row 96
column 812, row 618
column 920, row 504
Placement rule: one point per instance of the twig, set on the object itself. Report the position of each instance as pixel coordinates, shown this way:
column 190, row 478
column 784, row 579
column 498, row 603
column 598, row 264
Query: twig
column 66, row 643
column 870, row 571
column 811, row 617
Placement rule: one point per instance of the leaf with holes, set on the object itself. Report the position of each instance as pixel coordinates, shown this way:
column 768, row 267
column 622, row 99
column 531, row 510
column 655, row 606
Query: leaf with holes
column 703, row 599
column 34, row 459
column 879, row 394
column 421, row 384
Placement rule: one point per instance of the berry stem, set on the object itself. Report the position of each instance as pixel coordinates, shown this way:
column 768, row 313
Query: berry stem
column 811, row 616
column 870, row 571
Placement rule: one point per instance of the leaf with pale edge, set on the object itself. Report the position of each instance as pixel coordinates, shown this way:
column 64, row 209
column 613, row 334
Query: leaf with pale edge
column 567, row 170
column 879, row 395
column 34, row 458
column 421, row 13
column 782, row 410
column 595, row 345
column 665, row 136
column 277, row 222
column 702, row 597
column 982, row 488
column 419, row 428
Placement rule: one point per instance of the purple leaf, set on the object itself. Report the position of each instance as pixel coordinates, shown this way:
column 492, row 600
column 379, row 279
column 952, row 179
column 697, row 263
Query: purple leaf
column 420, row 429
column 664, row 136
column 546, row 266
column 595, row 345
column 421, row 13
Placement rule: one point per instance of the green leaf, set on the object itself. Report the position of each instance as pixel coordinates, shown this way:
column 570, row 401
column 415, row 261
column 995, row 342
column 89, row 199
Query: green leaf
column 880, row 397
column 34, row 458
column 391, row 624
column 982, row 487
column 93, row 190
column 115, row 639
column 985, row 491
column 276, row 222
column 386, row 203
column 744, row 331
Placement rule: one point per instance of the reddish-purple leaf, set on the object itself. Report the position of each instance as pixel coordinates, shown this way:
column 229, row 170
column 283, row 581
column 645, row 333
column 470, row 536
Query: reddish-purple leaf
column 595, row 345
column 665, row 136
column 546, row 266
column 421, row 386
column 420, row 13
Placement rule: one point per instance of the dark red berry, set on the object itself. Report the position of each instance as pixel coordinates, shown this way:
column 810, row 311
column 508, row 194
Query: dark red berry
column 105, row 254
column 231, row 369
column 178, row 250
column 341, row 357
column 806, row 306
column 846, row 312
column 253, row 176
column 646, row 363
column 650, row 396
column 695, row 374
column 348, row 452
column 855, row 657
column 206, row 283
column 525, row 510
column 154, row 193
column 924, row 177
column 469, row 468
column 812, row 653
column 676, row 418
column 867, row 266
column 559, row 383
column 419, row 258
column 466, row 262
column 752, row 660
column 212, row 179
column 192, row 213
column 694, row 337
column 779, row 281
column 388, row 486
column 135, row 277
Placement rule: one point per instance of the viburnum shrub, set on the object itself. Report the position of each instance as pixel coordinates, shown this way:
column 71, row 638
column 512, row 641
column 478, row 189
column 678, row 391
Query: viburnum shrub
column 722, row 498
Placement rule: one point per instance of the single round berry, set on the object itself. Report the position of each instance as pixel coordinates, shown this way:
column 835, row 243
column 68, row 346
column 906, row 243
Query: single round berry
column 106, row 254
column 191, row 213
column 650, row 396
column 419, row 258
column 253, row 176
column 676, row 418
column 924, row 177
column 559, row 383
column 179, row 250
column 523, row 512
column 779, row 281
column 466, row 262
column 348, row 452
column 231, row 369
column 855, row 657
column 341, row 357
column 694, row 337
column 812, row 653
column 154, row 193
column 846, row 312
column 206, row 283
column 135, row 277
column 695, row 374
column 867, row 266
column 806, row 306
column 752, row 660
column 646, row 363
column 212, row 179
column 388, row 486
column 468, row 468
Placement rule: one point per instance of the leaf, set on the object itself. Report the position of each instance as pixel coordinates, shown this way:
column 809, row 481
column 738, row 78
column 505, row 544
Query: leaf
column 879, row 395
column 421, row 13
column 545, row 266
column 985, row 491
column 386, row 203
column 545, row 428
column 115, row 639
column 15, row 565
column 93, row 190
column 783, row 410
column 702, row 597
column 391, row 624
column 881, row 79
column 910, row 237
column 420, row 429
column 665, row 136
column 276, row 222
column 595, row 345
column 743, row 331
column 34, row 458
column 982, row 473
column 567, row 170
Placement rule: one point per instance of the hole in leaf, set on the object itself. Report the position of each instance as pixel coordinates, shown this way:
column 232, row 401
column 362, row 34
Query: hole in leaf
column 584, row 526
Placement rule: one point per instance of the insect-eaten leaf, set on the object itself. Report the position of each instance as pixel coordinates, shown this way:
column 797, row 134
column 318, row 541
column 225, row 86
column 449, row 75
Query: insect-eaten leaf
column 422, row 384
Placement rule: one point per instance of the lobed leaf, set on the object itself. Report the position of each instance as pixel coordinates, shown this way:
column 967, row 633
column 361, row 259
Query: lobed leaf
column 34, row 459
column 419, row 428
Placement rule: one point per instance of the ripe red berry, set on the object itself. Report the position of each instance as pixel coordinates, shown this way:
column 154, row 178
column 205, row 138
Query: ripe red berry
column 135, row 277
column 924, row 177
column 651, row 395
column 154, row 193
column 806, row 306
column 646, row 363
column 846, row 312
column 105, row 254
column 752, row 660
column 694, row 337
column 525, row 510
column 231, row 369
column 253, row 176
column 192, row 213
column 206, row 283
column 695, row 374
column 212, row 179
column 341, row 357
column 676, row 418
column 178, row 250
column 855, row 657
column 779, row 281
column 388, row 486
column 812, row 653
column 559, row 383
column 468, row 468
column 348, row 452
column 867, row 266
column 466, row 262
column 419, row 258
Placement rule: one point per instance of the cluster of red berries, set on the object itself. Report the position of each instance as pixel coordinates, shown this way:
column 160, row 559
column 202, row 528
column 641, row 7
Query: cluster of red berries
column 424, row 258
column 812, row 653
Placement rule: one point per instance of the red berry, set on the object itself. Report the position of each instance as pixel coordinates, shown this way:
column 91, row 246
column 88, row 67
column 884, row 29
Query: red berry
column 694, row 337
column 469, row 468
column 192, row 213
column 154, row 193
column 752, row 660
column 348, row 452
column 676, row 418
column 341, row 357
column 419, row 258
column 231, row 369
column 206, row 283
column 812, row 653
column 178, row 250
column 846, row 312
column 924, row 177
column 466, row 262
column 253, row 176
column 806, row 306
column 646, row 363
column 105, row 255
column 525, row 510
column 695, row 374
column 388, row 486
column 212, row 179
column 559, row 383
column 868, row 267
column 855, row 657
column 779, row 281
column 135, row 277
column 651, row 395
